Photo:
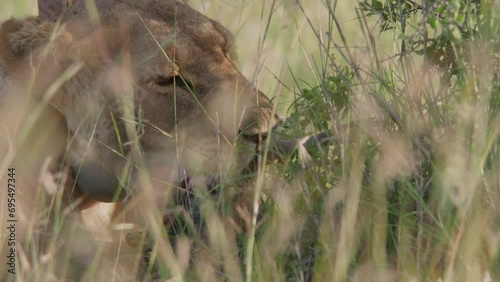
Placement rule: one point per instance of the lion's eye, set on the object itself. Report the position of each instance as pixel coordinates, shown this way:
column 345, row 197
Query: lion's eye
column 164, row 81
column 183, row 82
column 177, row 80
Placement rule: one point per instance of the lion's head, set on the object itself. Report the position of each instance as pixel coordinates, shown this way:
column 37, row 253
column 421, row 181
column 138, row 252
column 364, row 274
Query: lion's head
column 153, row 73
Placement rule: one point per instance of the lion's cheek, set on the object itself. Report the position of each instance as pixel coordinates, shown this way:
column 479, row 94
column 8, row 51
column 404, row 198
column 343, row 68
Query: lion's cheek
column 209, row 158
column 223, row 112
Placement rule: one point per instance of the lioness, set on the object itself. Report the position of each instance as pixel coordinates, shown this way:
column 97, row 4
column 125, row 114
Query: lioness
column 133, row 87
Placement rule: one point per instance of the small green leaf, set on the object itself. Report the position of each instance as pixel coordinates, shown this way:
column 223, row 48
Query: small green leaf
column 432, row 22
column 377, row 5
column 455, row 33
column 440, row 9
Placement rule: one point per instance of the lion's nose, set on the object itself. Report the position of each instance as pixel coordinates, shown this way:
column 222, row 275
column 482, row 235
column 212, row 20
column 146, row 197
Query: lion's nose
column 255, row 138
column 259, row 128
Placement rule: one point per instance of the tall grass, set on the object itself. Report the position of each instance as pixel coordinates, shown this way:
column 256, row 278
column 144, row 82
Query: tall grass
column 406, row 189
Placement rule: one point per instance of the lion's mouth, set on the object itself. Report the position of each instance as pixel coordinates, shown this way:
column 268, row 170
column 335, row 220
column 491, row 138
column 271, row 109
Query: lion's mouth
column 186, row 193
column 188, row 181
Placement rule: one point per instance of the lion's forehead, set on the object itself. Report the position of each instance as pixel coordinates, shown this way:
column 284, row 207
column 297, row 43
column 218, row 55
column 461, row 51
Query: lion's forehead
column 171, row 12
column 159, row 49
column 178, row 39
column 157, row 32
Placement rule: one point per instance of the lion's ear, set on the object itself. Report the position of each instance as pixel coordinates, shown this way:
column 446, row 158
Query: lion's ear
column 20, row 37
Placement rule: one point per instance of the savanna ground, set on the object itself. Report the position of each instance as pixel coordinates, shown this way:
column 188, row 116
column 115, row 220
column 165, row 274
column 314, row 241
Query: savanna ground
column 408, row 187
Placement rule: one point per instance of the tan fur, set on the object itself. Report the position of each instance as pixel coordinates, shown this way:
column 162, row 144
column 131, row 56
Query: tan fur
column 115, row 74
